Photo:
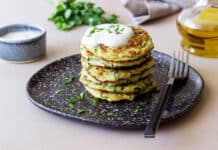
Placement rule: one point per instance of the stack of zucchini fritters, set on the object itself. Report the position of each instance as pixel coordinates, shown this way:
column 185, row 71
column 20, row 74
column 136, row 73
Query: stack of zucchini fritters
column 121, row 73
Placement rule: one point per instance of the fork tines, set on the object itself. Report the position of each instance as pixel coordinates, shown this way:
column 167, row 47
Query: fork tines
column 179, row 64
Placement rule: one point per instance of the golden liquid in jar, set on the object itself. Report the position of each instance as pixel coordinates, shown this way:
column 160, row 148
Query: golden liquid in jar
column 198, row 40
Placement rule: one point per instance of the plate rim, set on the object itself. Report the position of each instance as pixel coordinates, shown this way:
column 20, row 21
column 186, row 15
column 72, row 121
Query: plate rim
column 77, row 118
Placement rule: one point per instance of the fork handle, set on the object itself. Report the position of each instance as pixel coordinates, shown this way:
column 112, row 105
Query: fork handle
column 156, row 115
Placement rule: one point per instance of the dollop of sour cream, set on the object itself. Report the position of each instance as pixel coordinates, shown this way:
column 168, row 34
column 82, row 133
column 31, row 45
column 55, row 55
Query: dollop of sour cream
column 112, row 35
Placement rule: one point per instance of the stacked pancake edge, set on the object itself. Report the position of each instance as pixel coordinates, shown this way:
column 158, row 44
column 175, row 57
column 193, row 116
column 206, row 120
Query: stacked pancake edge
column 116, row 74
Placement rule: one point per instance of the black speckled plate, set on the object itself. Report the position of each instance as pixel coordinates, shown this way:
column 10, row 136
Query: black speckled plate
column 42, row 86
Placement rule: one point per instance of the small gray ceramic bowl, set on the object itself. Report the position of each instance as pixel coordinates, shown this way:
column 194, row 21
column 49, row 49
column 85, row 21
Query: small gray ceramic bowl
column 22, row 50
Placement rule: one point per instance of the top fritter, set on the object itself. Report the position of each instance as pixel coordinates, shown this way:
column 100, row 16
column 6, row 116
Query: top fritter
column 116, row 42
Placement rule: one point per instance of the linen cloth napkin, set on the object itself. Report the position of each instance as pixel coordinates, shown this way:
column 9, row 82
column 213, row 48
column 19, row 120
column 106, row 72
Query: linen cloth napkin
column 144, row 10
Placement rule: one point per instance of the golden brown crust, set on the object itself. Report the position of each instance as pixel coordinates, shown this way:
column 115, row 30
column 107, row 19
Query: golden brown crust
column 96, row 61
column 115, row 75
column 139, row 45
column 130, row 88
column 115, row 97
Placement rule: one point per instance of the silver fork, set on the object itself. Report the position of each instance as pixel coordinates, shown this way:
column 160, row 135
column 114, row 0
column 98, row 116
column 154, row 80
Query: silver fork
column 178, row 70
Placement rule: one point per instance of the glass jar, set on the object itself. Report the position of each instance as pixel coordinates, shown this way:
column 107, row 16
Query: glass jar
column 198, row 27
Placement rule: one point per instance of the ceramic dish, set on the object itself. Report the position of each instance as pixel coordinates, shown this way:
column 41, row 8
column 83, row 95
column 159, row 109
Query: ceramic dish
column 42, row 86
column 25, row 49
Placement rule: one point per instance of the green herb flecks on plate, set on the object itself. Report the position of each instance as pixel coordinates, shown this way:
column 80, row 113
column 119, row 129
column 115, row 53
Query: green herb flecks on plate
column 73, row 91
column 81, row 111
column 72, row 13
column 95, row 101
column 142, row 102
column 71, row 103
column 59, row 91
column 68, row 80
column 136, row 111
column 110, row 114
column 80, row 96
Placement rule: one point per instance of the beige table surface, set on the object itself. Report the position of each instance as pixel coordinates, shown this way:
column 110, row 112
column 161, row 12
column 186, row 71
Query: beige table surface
column 26, row 127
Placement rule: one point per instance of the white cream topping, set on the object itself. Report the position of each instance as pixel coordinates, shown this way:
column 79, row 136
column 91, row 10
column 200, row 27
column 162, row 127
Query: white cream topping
column 19, row 35
column 112, row 35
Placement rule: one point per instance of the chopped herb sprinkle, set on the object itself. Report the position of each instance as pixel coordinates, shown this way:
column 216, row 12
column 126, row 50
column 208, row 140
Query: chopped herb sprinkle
column 110, row 114
column 73, row 91
column 80, row 96
column 59, row 91
column 136, row 110
column 142, row 102
column 95, row 29
column 68, row 80
column 81, row 111
column 71, row 103
column 113, row 28
column 95, row 101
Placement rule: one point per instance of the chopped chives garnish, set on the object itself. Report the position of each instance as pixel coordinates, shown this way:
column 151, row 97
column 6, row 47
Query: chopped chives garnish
column 73, row 91
column 142, row 102
column 80, row 96
column 81, row 111
column 71, row 103
column 68, row 80
column 110, row 114
column 59, row 91
column 95, row 101
column 136, row 110
column 113, row 28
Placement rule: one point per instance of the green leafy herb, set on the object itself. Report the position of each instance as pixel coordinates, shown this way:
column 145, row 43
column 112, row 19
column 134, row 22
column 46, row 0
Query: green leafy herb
column 81, row 111
column 136, row 110
column 68, row 80
column 59, row 91
column 110, row 114
column 73, row 91
column 72, row 13
column 112, row 18
column 142, row 102
column 80, row 96
column 71, row 103
column 95, row 101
